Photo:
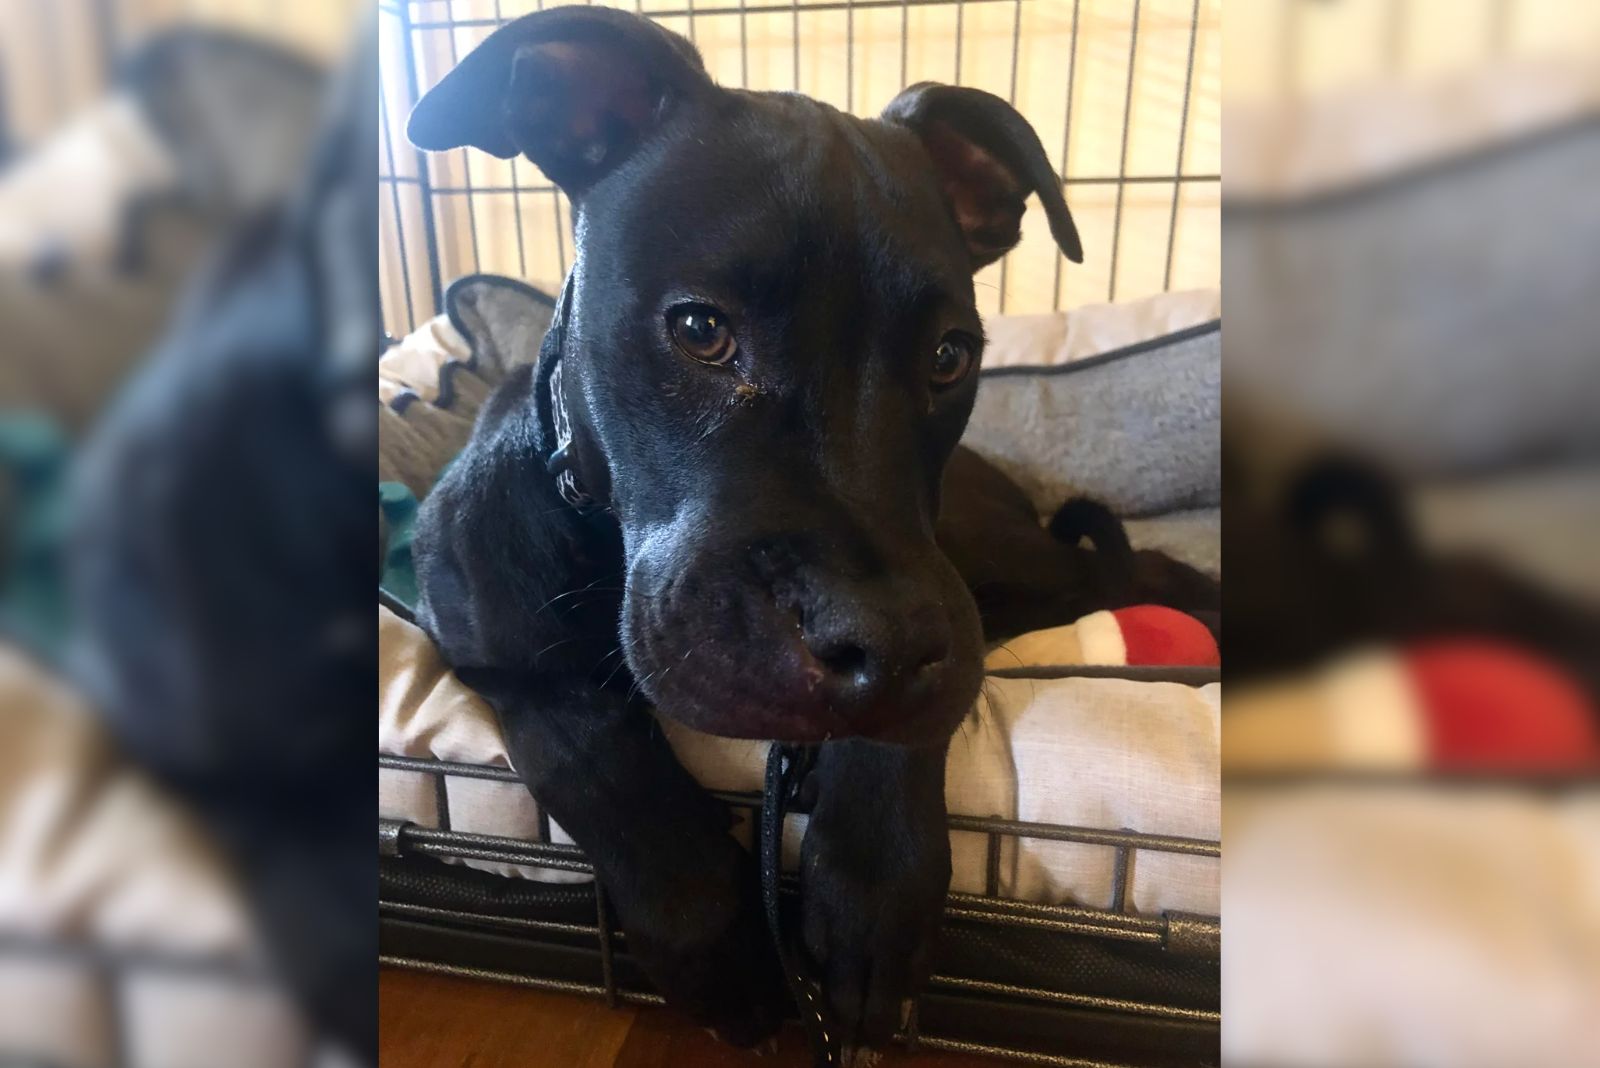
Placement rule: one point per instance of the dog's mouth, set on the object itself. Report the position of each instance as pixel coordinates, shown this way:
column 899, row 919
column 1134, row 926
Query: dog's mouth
column 731, row 659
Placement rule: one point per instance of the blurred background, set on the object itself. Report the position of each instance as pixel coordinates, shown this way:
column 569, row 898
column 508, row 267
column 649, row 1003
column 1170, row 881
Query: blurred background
column 1411, row 366
column 188, row 293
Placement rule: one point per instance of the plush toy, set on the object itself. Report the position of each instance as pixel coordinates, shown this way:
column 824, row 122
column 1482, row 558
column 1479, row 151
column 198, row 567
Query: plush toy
column 1144, row 635
column 1443, row 705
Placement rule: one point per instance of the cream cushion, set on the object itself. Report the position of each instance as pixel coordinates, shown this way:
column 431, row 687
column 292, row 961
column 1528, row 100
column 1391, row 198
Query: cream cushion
column 1090, row 752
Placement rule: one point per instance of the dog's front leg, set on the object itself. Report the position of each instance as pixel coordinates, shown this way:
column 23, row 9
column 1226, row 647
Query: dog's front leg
column 682, row 887
column 875, row 867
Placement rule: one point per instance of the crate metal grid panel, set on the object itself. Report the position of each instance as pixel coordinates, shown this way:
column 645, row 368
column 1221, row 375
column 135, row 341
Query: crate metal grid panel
column 1182, row 934
column 1110, row 85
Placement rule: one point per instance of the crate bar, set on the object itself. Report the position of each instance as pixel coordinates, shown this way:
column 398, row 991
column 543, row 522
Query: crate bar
column 795, row 7
column 426, row 841
column 961, row 10
column 935, row 982
column 981, row 824
column 602, row 920
column 429, row 842
column 516, row 187
column 555, row 203
column 446, row 767
column 1141, row 179
column 1053, row 832
column 905, row 51
column 1011, row 98
column 744, row 47
column 1122, row 166
column 1083, row 1001
column 639, row 997
column 557, row 986
column 1094, row 930
column 466, row 157
column 850, row 59
column 1108, row 179
column 1119, row 879
column 430, row 231
column 431, row 912
column 399, row 218
column 441, row 800
column 1065, row 913
column 970, row 902
column 240, row 970
column 1003, row 1053
column 991, row 867
column 1183, row 133
column 438, row 840
column 1066, row 136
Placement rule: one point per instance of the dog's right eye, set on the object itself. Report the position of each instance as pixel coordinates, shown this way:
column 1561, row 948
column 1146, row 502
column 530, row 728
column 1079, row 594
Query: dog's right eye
column 951, row 360
column 701, row 333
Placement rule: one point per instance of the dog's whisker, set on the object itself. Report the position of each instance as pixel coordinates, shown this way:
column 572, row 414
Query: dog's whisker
column 553, row 645
column 622, row 663
column 593, row 589
column 637, row 689
column 666, row 671
column 564, row 596
column 1005, row 647
column 624, row 648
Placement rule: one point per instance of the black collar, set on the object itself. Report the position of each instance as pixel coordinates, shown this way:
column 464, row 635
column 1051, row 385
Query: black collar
column 555, row 427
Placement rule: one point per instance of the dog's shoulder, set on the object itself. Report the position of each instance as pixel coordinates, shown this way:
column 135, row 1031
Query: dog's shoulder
column 495, row 542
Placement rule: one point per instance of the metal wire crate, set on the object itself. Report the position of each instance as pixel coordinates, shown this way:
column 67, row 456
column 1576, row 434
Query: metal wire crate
column 1026, row 1021
column 1112, row 88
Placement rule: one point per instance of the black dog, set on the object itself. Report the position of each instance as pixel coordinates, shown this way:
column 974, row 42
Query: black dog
column 718, row 491
column 220, row 565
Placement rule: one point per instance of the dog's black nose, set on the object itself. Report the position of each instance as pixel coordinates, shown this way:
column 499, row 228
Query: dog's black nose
column 873, row 658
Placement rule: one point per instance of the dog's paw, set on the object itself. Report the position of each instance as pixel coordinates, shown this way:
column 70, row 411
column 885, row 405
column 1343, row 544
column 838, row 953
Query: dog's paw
column 871, row 907
column 713, row 961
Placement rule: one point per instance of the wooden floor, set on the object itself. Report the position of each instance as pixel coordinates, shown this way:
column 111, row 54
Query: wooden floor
column 434, row 1021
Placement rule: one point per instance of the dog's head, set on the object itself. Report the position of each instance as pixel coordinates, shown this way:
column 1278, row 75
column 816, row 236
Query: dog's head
column 770, row 354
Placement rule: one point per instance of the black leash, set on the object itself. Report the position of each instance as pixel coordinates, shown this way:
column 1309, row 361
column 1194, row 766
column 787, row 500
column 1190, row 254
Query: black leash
column 786, row 769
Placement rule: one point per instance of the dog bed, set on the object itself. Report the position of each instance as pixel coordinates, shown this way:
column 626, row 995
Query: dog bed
column 1089, row 752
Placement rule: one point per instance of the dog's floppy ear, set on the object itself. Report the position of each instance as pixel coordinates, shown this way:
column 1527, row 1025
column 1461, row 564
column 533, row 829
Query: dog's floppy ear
column 575, row 89
column 989, row 160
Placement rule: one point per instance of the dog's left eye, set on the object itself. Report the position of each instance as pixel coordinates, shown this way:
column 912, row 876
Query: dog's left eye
column 951, row 361
column 701, row 333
